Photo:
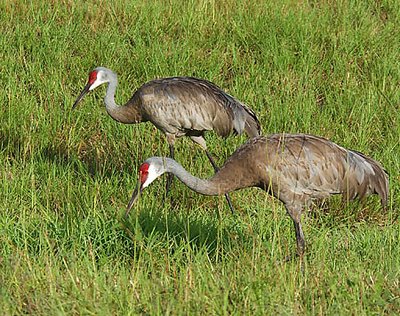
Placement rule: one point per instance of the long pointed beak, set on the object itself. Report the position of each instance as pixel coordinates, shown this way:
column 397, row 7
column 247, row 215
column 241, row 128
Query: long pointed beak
column 82, row 95
column 135, row 196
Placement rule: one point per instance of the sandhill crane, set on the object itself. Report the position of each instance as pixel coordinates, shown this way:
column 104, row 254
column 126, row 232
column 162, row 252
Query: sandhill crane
column 294, row 168
column 178, row 106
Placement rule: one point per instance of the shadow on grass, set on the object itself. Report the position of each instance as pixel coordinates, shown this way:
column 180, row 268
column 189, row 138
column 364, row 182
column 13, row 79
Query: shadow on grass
column 12, row 144
column 19, row 150
column 87, row 161
column 178, row 231
column 94, row 156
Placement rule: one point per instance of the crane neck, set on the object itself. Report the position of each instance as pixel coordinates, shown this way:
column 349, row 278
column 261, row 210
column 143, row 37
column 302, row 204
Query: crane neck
column 216, row 185
column 127, row 114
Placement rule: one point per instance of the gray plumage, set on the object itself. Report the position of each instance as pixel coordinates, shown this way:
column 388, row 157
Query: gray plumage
column 294, row 168
column 178, row 106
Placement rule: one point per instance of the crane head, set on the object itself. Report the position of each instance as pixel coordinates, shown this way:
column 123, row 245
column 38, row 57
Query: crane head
column 97, row 77
column 150, row 170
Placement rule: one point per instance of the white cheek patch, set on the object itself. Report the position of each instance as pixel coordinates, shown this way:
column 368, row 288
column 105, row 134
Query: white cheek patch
column 97, row 83
column 152, row 175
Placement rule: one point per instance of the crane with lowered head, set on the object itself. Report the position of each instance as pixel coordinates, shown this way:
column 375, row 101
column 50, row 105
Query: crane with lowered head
column 294, row 168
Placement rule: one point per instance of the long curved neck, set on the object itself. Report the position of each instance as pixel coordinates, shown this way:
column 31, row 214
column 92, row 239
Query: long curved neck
column 213, row 186
column 127, row 114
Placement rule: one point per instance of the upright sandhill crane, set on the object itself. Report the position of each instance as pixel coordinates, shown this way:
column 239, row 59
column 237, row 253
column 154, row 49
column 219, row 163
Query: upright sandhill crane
column 293, row 168
column 178, row 106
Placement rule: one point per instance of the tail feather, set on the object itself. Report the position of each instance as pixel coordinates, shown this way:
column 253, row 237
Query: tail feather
column 252, row 126
column 366, row 176
column 245, row 120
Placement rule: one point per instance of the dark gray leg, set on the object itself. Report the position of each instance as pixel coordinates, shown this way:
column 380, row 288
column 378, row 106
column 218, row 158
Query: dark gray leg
column 228, row 199
column 212, row 161
column 295, row 213
column 170, row 176
column 301, row 244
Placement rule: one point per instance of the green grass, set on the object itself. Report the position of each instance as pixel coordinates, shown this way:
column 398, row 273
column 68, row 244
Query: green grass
column 329, row 68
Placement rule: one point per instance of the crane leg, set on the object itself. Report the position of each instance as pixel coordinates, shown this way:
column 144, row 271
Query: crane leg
column 295, row 214
column 228, row 198
column 170, row 176
column 301, row 244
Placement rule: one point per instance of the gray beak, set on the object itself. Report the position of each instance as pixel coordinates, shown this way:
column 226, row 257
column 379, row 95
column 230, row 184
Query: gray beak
column 82, row 95
column 135, row 196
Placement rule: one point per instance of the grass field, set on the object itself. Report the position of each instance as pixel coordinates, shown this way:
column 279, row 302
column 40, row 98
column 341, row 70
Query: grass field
column 330, row 68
